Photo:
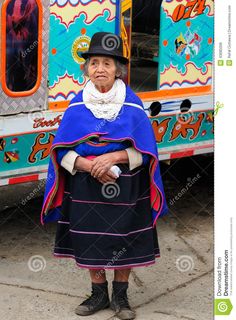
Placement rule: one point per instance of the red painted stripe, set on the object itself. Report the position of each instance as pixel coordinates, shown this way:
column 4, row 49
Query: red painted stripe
column 206, row 146
column 182, row 154
column 33, row 177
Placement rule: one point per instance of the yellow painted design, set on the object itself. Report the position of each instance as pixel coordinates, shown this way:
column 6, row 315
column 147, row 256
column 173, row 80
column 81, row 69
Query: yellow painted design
column 124, row 36
column 66, row 85
column 192, row 74
column 181, row 38
column 125, row 5
column 80, row 45
column 69, row 13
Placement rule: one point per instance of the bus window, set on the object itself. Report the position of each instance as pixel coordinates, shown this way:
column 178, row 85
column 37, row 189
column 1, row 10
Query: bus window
column 144, row 45
column 21, row 25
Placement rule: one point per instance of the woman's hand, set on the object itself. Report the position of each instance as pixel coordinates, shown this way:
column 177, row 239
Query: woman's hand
column 83, row 164
column 102, row 164
column 107, row 177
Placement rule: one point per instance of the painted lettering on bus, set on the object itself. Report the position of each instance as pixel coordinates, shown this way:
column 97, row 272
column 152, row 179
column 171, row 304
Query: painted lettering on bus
column 42, row 122
column 192, row 8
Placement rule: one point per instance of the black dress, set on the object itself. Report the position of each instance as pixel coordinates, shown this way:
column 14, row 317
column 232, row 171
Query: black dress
column 107, row 226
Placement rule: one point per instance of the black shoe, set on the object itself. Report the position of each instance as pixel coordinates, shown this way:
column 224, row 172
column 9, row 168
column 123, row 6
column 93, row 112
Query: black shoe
column 98, row 300
column 119, row 301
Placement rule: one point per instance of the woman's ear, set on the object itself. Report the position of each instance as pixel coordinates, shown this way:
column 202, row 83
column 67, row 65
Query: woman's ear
column 118, row 74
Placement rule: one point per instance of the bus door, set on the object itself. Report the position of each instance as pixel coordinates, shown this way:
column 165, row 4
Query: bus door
column 170, row 45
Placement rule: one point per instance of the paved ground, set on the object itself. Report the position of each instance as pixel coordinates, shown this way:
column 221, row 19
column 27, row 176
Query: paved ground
column 178, row 286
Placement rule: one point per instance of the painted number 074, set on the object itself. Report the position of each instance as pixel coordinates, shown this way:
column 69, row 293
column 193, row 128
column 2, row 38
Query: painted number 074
column 185, row 11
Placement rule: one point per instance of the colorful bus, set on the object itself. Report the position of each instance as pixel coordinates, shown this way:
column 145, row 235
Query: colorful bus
column 170, row 46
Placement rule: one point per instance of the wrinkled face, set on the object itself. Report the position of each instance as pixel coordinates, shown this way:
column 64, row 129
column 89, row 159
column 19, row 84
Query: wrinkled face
column 102, row 72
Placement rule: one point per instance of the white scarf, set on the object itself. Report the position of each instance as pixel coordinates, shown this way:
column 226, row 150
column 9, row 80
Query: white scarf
column 105, row 105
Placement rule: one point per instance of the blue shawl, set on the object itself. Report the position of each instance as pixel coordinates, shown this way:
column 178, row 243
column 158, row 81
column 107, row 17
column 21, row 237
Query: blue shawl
column 79, row 125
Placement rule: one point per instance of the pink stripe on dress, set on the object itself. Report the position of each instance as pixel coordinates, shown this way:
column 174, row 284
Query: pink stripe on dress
column 73, row 256
column 143, row 264
column 114, row 204
column 88, row 266
column 111, row 234
column 130, row 175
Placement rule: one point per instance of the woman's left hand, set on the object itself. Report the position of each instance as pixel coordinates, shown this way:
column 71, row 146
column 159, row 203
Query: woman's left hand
column 107, row 177
column 102, row 164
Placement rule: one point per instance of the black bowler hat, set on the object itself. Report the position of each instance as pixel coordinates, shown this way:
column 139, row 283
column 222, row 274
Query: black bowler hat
column 107, row 44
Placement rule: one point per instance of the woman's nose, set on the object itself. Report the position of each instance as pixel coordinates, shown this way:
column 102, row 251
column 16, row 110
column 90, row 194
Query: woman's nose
column 100, row 68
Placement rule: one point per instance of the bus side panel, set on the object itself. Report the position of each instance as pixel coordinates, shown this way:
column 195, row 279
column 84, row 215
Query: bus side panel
column 186, row 43
column 188, row 132
column 71, row 29
column 25, row 144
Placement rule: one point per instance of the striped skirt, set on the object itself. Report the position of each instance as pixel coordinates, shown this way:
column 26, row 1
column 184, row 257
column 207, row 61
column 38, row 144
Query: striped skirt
column 107, row 226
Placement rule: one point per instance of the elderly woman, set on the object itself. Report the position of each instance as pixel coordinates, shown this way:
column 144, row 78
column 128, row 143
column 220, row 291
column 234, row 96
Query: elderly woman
column 104, row 186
